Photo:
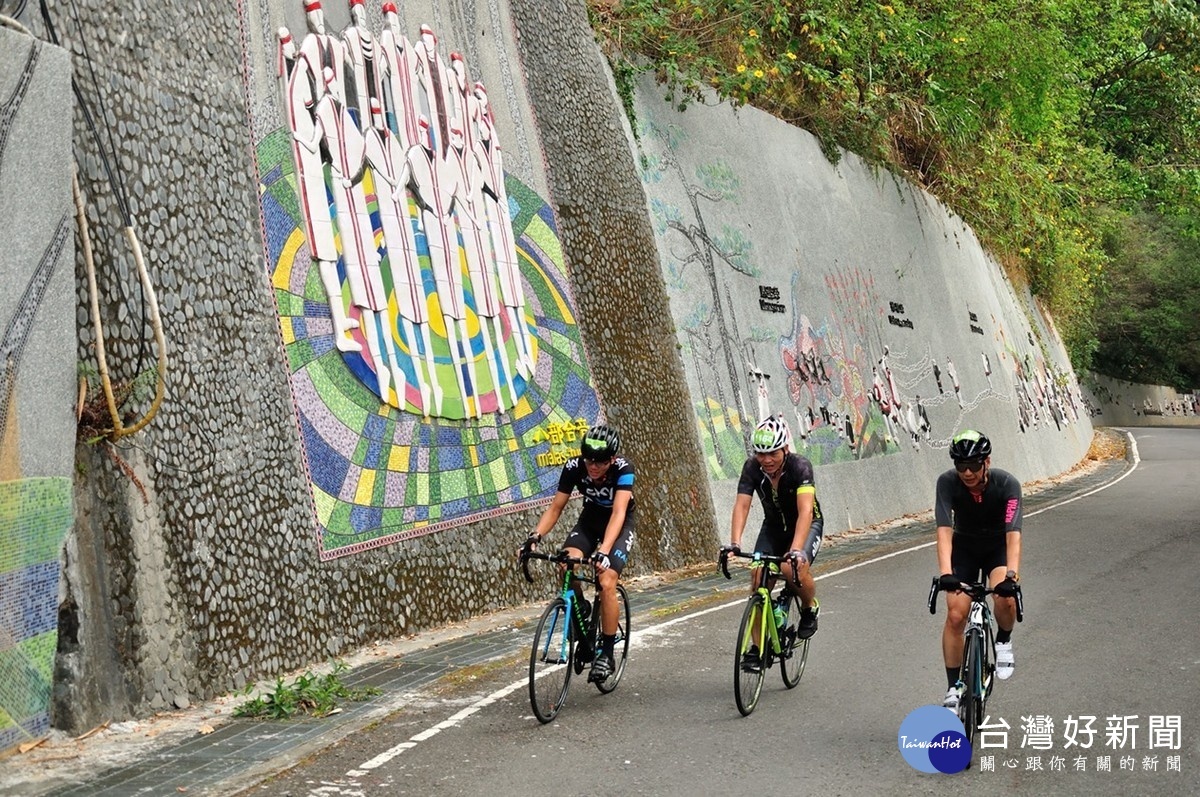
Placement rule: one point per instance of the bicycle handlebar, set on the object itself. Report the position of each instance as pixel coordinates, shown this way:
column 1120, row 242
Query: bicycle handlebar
column 766, row 558
column 976, row 592
column 560, row 557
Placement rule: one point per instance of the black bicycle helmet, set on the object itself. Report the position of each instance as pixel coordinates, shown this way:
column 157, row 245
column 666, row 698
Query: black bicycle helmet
column 600, row 444
column 970, row 444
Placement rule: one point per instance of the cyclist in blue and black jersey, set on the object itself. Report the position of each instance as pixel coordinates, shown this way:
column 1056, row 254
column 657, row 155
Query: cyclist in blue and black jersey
column 977, row 510
column 792, row 523
column 605, row 527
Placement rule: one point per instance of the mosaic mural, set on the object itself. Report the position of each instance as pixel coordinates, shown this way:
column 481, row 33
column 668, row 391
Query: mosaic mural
column 436, row 364
column 35, row 515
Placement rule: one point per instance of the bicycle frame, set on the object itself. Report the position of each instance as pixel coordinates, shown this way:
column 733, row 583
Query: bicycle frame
column 569, row 596
column 979, row 650
column 769, row 641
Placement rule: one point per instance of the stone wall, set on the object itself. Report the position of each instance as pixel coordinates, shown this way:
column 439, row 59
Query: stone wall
column 205, row 554
column 289, row 503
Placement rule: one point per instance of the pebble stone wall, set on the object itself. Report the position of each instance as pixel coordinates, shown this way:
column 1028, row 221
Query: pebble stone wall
column 605, row 224
column 192, row 569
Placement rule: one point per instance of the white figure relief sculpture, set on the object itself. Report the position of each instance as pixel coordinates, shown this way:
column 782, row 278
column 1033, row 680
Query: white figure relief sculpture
column 499, row 225
column 387, row 157
column 347, row 150
column 362, row 62
column 469, row 214
column 399, row 65
column 300, row 97
column 379, row 118
column 434, row 185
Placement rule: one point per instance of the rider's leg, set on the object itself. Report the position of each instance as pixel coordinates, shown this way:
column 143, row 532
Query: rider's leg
column 1005, row 609
column 958, row 605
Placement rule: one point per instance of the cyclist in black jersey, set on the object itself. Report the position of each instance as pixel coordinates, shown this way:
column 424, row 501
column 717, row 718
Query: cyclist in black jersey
column 792, row 523
column 978, row 515
column 604, row 530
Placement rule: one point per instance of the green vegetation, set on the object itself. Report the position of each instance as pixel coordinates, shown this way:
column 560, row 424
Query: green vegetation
column 315, row 695
column 1065, row 132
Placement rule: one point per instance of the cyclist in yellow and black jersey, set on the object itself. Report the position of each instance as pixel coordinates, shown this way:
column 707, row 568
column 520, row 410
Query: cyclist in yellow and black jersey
column 792, row 523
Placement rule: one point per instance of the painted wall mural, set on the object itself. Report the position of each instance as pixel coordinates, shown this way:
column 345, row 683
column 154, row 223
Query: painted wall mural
column 860, row 376
column 437, row 367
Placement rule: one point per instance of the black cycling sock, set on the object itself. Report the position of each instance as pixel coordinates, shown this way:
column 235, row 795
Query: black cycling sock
column 606, row 644
column 951, row 677
column 1003, row 636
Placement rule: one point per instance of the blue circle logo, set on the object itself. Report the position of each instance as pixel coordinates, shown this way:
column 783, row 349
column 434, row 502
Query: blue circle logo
column 932, row 739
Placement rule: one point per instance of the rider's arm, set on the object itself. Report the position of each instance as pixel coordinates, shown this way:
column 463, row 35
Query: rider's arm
column 805, row 498
column 552, row 514
column 943, row 516
column 737, row 523
column 616, row 521
column 945, row 537
column 1012, row 542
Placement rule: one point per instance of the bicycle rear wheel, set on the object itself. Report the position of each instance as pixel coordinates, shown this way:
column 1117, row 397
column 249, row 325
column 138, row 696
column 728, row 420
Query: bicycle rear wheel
column 972, row 677
column 550, row 660
column 747, row 685
column 795, row 650
column 620, row 645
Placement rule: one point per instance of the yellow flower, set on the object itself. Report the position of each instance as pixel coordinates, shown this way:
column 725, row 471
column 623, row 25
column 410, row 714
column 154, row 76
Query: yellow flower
column 791, row 56
column 888, row 9
column 752, row 33
column 741, row 68
column 758, row 73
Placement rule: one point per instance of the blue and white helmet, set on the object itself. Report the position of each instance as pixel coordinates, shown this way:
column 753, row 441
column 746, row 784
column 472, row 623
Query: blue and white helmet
column 771, row 434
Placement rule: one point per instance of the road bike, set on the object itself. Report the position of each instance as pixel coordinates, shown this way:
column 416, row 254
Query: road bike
column 978, row 673
column 568, row 635
column 772, row 625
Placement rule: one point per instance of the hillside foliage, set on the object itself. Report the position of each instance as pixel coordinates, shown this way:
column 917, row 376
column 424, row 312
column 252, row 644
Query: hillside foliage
column 1065, row 132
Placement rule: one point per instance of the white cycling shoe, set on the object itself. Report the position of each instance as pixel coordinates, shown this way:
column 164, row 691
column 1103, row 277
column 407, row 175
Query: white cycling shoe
column 1005, row 664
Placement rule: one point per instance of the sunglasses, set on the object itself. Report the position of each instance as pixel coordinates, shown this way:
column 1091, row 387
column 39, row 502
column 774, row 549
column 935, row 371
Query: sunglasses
column 972, row 465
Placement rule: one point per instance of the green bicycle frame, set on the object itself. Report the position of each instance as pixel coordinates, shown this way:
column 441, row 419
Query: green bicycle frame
column 768, row 632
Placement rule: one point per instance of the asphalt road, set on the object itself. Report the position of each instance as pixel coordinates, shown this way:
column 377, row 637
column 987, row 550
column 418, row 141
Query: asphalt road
column 1110, row 633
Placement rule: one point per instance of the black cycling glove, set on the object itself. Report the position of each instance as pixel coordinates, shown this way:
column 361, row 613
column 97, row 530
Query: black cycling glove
column 949, row 582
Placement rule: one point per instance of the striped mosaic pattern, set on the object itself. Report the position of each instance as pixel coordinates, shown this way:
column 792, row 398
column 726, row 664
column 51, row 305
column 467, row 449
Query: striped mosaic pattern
column 35, row 515
column 379, row 475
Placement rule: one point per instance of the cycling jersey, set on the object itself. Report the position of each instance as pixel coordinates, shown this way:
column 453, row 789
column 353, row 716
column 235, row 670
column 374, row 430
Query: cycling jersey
column 597, row 496
column 995, row 511
column 779, row 502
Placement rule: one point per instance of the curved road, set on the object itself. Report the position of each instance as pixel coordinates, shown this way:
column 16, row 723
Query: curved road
column 1110, row 632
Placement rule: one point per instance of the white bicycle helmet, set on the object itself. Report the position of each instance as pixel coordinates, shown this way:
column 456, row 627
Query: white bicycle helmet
column 771, row 434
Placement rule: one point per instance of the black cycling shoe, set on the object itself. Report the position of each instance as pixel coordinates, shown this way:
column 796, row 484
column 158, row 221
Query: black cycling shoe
column 751, row 660
column 808, row 623
column 602, row 668
column 583, row 655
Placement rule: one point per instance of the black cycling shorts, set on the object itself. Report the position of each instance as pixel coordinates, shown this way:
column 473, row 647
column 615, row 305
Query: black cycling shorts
column 586, row 538
column 778, row 543
column 969, row 554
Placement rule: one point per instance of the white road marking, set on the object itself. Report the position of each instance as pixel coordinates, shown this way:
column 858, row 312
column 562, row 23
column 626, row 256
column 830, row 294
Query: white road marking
column 387, row 755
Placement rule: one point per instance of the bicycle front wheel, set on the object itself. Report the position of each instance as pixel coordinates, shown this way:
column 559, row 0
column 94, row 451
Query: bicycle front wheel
column 971, row 702
column 620, row 645
column 747, row 679
column 794, row 654
column 550, row 661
